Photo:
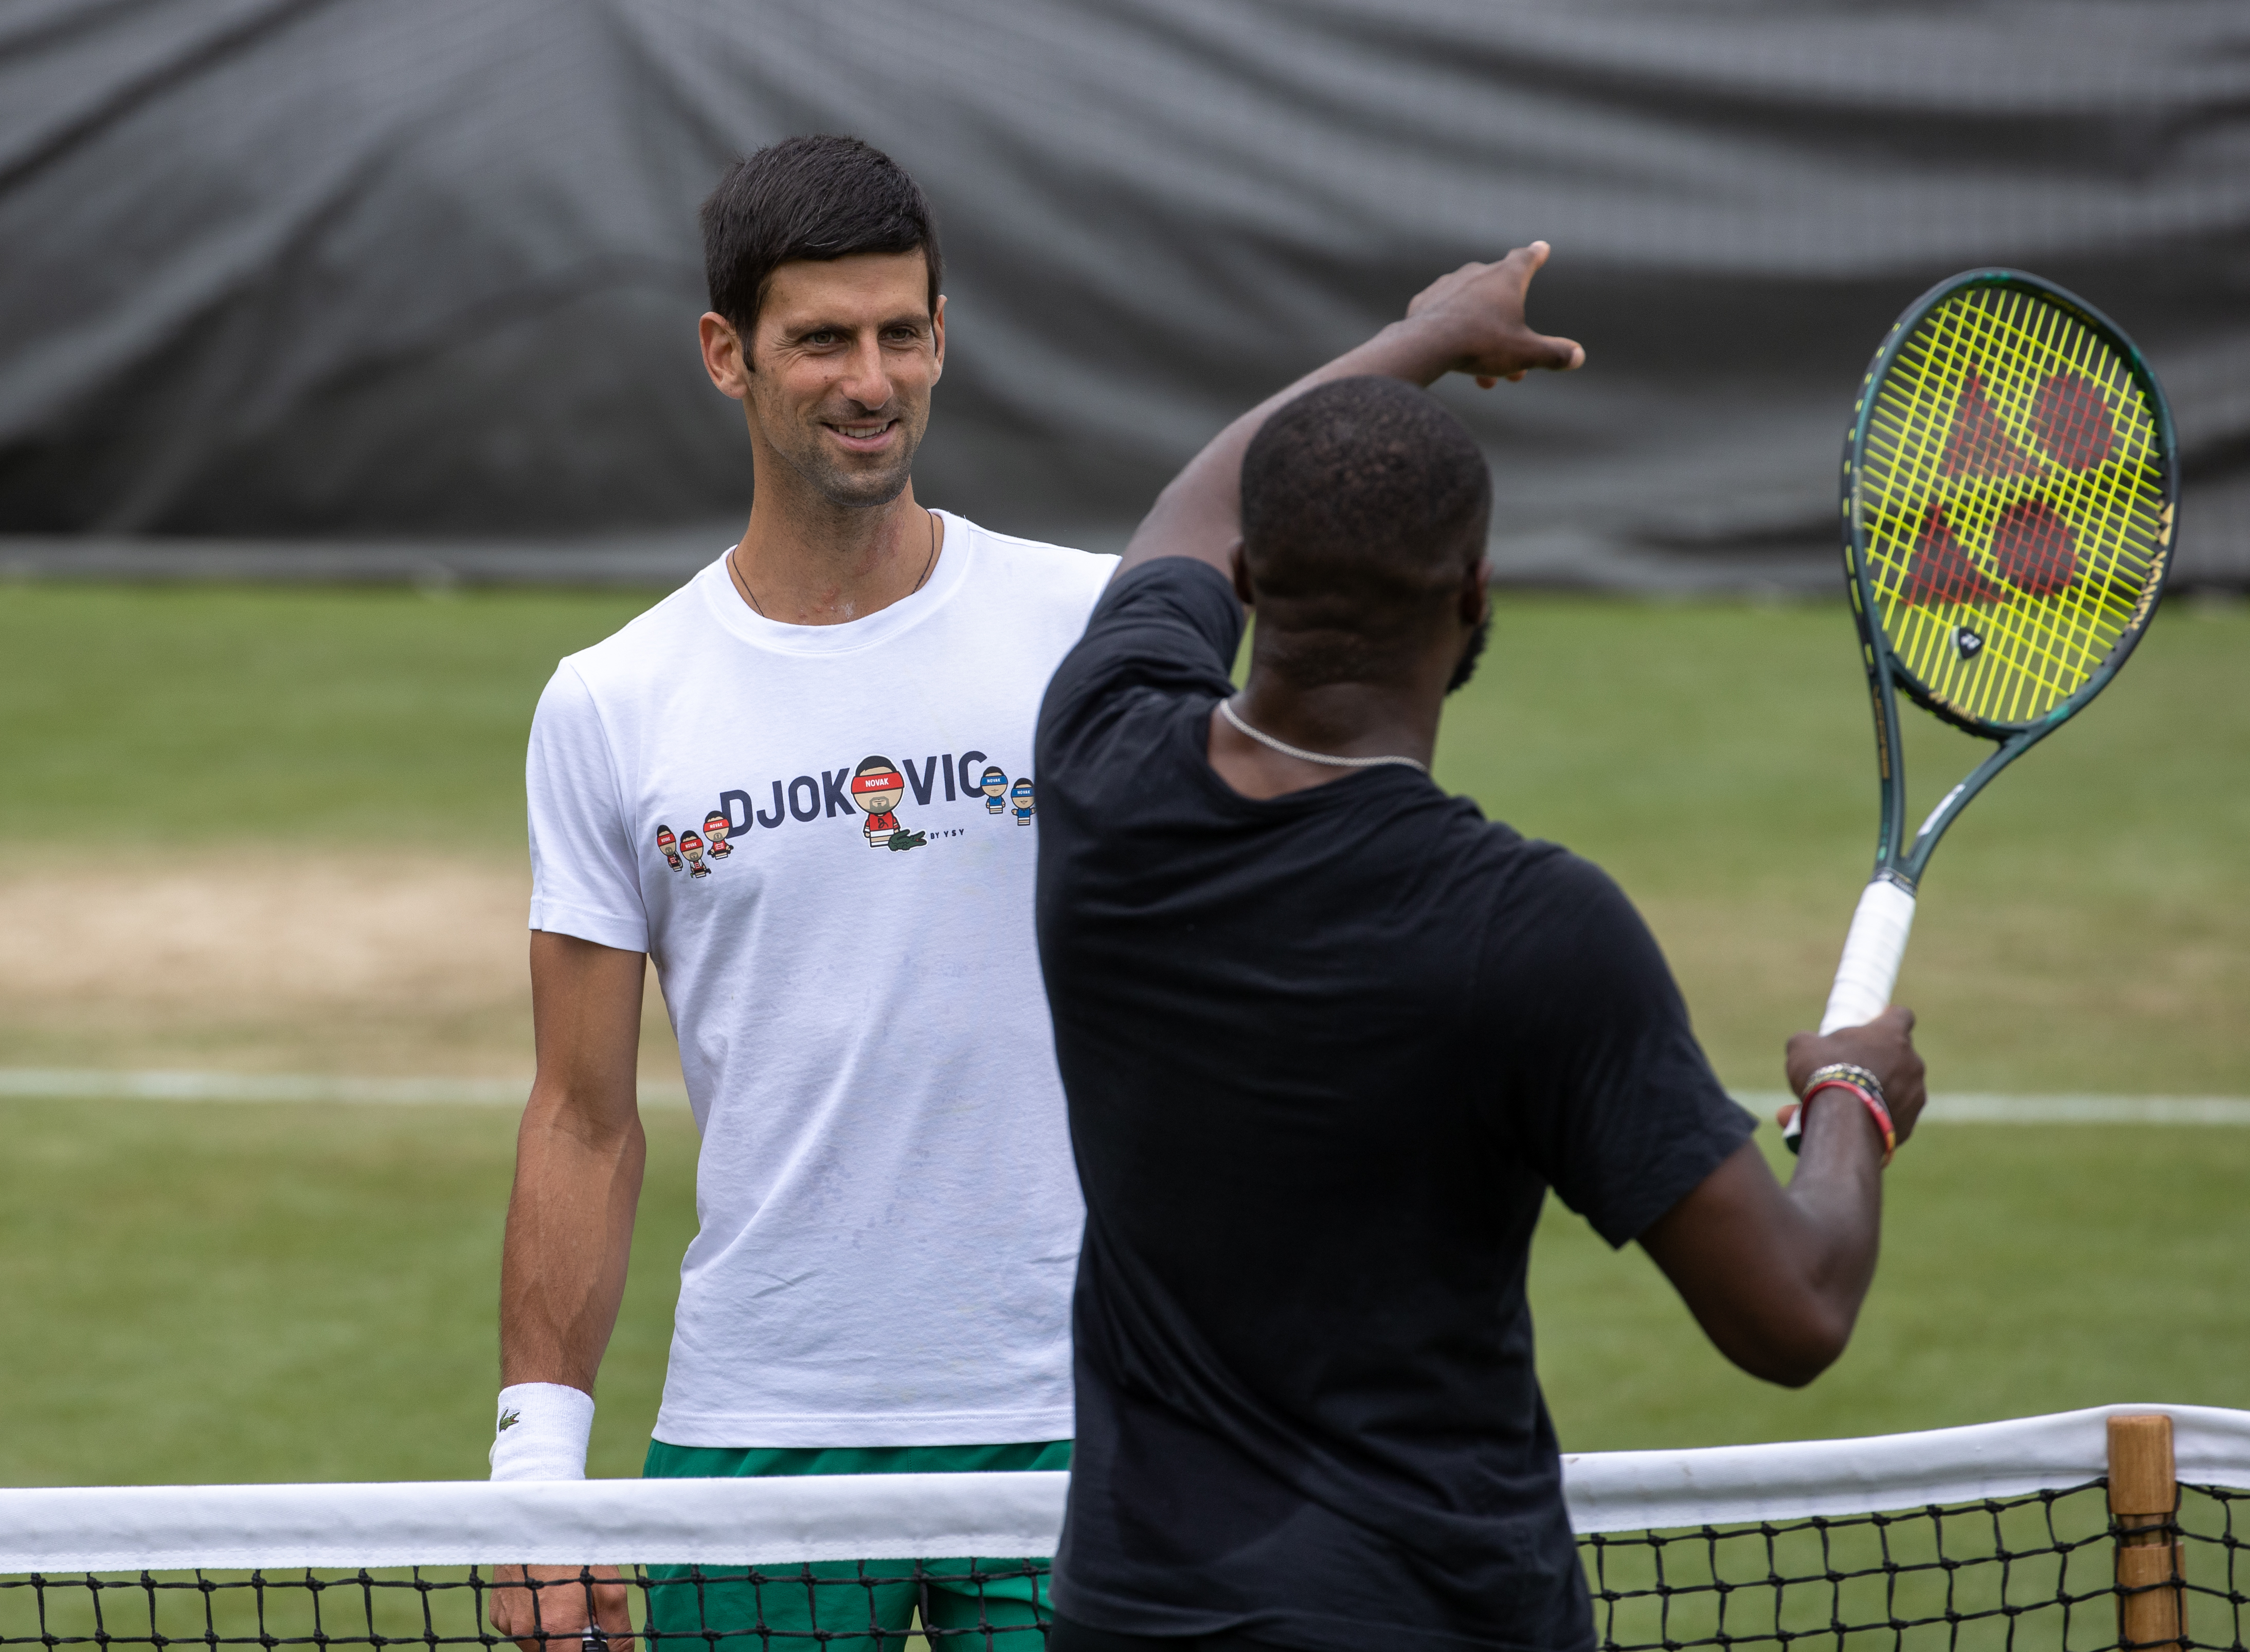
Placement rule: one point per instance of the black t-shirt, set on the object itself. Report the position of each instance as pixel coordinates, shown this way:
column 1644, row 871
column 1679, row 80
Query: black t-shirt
column 1324, row 1054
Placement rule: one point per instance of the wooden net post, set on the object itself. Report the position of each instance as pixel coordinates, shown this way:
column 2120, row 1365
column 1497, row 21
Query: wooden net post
column 2151, row 1567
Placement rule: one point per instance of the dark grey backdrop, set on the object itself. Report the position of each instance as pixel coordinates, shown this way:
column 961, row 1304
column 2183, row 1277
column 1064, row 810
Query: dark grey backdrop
column 426, row 270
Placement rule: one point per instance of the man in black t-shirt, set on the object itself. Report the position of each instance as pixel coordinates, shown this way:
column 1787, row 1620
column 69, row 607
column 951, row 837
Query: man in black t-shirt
column 1328, row 1036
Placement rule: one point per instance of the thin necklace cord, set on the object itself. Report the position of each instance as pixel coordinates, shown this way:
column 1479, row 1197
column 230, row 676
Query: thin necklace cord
column 929, row 562
column 1226, row 709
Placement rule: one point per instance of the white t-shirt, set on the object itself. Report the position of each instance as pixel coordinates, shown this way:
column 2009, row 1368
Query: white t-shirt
column 824, row 836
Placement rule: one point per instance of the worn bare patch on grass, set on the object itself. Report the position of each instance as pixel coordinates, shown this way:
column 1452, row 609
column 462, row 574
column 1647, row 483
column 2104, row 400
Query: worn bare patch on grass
column 410, row 963
column 365, row 961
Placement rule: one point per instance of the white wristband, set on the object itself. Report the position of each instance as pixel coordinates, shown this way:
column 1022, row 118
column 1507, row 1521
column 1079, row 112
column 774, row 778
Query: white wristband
column 541, row 1431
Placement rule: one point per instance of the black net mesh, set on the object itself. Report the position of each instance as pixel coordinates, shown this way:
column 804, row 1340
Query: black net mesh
column 2033, row 1571
column 845, row 1606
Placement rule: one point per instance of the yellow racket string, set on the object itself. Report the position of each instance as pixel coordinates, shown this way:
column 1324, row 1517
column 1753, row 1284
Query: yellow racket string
column 2008, row 556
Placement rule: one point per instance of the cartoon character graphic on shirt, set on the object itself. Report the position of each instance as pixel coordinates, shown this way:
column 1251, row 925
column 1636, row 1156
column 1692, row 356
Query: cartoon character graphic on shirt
column 692, row 846
column 877, row 786
column 1025, row 799
column 668, row 846
column 994, row 785
column 715, row 827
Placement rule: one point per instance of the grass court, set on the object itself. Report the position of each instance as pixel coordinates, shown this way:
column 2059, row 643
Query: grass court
column 227, row 1291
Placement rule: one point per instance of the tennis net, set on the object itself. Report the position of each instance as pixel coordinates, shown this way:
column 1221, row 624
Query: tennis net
column 2116, row 1527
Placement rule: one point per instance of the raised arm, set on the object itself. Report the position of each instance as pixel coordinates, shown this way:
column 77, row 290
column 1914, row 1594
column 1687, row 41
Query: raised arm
column 1775, row 1275
column 1469, row 322
column 578, row 1159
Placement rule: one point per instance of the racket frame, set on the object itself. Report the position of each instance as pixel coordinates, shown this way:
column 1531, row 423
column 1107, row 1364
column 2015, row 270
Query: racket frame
column 1899, row 860
column 1876, row 941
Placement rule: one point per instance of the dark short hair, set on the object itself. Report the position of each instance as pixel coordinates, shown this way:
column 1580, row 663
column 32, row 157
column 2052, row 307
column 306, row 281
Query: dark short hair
column 1361, row 501
column 810, row 197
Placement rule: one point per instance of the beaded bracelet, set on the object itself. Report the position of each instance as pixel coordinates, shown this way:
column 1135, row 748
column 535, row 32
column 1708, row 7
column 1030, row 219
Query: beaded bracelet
column 1852, row 1070
column 1846, row 1076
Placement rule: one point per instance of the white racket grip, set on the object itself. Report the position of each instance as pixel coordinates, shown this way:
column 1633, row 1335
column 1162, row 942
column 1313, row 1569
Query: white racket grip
column 1872, row 952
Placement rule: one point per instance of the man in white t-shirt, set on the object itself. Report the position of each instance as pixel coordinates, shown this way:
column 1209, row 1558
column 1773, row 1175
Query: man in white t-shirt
column 889, row 1217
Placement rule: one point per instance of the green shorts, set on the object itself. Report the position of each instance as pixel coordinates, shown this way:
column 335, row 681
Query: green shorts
column 850, row 1605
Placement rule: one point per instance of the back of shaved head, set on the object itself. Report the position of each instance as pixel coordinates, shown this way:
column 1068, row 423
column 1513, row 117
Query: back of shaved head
column 1364, row 503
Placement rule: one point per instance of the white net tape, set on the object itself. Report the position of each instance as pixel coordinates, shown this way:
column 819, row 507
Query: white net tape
column 897, row 1516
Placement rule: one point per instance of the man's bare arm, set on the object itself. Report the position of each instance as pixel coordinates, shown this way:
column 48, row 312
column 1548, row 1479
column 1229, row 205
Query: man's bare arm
column 578, row 1159
column 1775, row 1275
column 1469, row 322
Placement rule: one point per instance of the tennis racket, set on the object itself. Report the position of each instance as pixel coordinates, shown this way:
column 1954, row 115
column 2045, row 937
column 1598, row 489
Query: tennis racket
column 2009, row 490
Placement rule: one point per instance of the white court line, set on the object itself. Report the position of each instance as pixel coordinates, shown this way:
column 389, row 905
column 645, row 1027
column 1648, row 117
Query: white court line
column 1969, row 1108
column 88, row 1084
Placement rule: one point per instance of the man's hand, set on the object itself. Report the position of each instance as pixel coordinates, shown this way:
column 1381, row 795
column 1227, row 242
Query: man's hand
column 1884, row 1046
column 1470, row 322
column 1478, row 311
column 553, row 1616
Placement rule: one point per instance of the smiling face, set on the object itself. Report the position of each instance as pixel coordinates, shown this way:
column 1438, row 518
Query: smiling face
column 993, row 783
column 842, row 358
column 714, row 827
column 692, row 846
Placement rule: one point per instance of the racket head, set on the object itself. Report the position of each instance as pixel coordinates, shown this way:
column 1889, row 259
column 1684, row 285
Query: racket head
column 2010, row 491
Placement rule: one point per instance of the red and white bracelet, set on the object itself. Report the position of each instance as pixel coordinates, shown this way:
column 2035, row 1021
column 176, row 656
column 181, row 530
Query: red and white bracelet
column 1842, row 1075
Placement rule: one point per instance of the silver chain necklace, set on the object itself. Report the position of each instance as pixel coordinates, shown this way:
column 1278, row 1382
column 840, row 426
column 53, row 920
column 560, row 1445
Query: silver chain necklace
column 1226, row 709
